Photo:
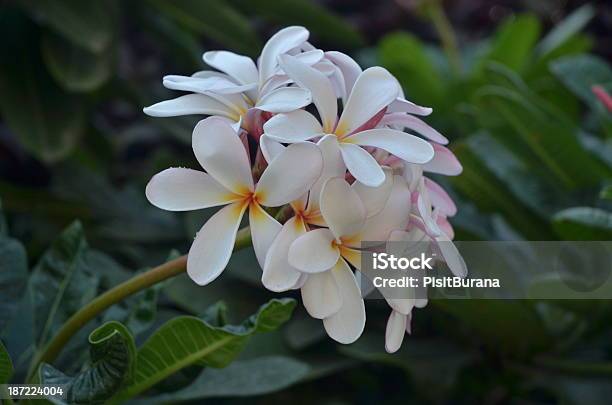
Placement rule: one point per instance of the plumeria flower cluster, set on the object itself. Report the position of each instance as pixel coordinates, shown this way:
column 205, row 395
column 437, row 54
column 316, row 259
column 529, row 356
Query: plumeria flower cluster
column 275, row 141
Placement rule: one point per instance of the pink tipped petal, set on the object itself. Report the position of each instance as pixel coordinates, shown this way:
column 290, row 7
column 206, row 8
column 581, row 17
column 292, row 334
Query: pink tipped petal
column 285, row 99
column 405, row 146
column 440, row 198
column 292, row 127
column 264, row 230
column 191, row 104
column 278, row 274
column 341, row 207
column 451, row 256
column 237, row 66
column 374, row 90
column 179, row 189
column 320, row 87
column 444, row 162
column 396, row 329
column 221, row 153
column 281, row 42
column 346, row 325
column 362, row 165
column 321, row 295
column 290, row 175
column 314, row 252
column 445, row 227
column 402, row 105
column 213, row 245
column 411, row 122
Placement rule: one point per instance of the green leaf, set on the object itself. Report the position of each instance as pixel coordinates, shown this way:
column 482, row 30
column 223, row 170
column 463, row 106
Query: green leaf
column 566, row 29
column 74, row 68
column 514, row 41
column 112, row 354
column 47, row 121
column 583, row 223
column 188, row 340
column 214, row 19
column 62, row 282
column 405, row 57
column 606, row 193
column 326, row 26
column 86, row 24
column 6, row 365
column 245, row 378
column 13, row 276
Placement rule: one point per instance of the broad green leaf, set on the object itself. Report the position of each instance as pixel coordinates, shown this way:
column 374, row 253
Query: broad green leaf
column 86, row 24
column 566, row 29
column 244, row 378
column 213, row 18
column 62, row 282
column 514, row 41
column 47, row 121
column 580, row 73
column 583, row 223
column 324, row 25
column 188, row 340
column 74, row 68
column 405, row 57
column 13, row 276
column 6, row 365
column 112, row 353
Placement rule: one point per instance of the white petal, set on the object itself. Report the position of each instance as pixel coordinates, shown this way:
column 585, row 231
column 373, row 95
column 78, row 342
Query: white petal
column 402, row 120
column 341, row 207
column 292, row 127
column 425, row 212
column 444, row 162
column 451, row 256
column 320, row 87
column 220, row 152
column 213, row 245
column 313, row 252
column 191, row 104
column 321, row 295
column 310, row 57
column 290, row 174
column 180, row 189
column 204, row 85
column 346, row 325
column 239, row 67
column 280, row 43
column 270, row 148
column 347, row 65
column 362, row 165
column 264, row 230
column 278, row 274
column 333, row 166
column 396, row 329
column 405, row 146
column 374, row 89
column 284, row 100
column 440, row 198
column 375, row 198
column 402, row 105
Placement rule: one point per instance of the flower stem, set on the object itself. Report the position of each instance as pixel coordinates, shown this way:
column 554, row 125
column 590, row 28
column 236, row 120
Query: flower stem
column 114, row 295
column 447, row 34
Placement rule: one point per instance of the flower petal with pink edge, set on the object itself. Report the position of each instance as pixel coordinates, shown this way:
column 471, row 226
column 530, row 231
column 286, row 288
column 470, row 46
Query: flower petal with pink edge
column 374, row 90
column 290, row 175
column 292, row 127
column 314, row 251
column 191, row 104
column 320, row 87
column 394, row 334
column 403, row 120
column 321, row 295
column 264, row 230
column 402, row 105
column 362, row 165
column 346, row 325
column 221, row 153
column 444, row 162
column 180, row 189
column 445, row 226
column 278, row 274
column 214, row 243
column 451, row 256
column 440, row 198
column 284, row 99
column 405, row 146
column 341, row 207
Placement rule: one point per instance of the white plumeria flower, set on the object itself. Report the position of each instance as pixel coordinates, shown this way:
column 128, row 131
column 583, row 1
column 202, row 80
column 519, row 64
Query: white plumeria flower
column 241, row 85
column 372, row 92
column 228, row 181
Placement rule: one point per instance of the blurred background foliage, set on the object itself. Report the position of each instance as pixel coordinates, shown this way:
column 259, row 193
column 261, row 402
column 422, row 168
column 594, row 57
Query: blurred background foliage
column 511, row 83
